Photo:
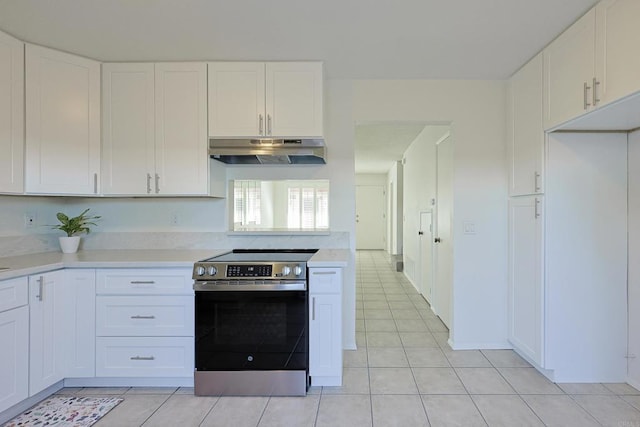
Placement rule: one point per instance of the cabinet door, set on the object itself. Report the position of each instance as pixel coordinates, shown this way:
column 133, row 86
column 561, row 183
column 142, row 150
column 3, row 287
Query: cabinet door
column 46, row 330
column 617, row 59
column 14, row 369
column 294, row 99
column 128, row 163
column 11, row 115
column 325, row 344
column 325, row 326
column 236, row 99
column 80, row 323
column 525, row 277
column 526, row 141
column 569, row 69
column 62, row 122
column 181, row 129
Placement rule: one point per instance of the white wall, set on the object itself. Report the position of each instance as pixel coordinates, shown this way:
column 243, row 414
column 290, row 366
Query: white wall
column 394, row 187
column 476, row 111
column 419, row 178
column 371, row 179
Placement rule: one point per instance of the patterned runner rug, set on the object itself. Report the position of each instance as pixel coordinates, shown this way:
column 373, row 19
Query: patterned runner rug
column 66, row 411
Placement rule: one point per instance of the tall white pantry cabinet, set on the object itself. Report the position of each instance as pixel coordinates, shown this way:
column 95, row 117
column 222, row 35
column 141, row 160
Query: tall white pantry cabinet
column 567, row 242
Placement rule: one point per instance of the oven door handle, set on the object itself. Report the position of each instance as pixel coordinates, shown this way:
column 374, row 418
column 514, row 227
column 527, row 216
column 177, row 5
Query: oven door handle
column 212, row 286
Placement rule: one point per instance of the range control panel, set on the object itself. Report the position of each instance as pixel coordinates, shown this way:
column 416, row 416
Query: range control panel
column 220, row 271
column 249, row 270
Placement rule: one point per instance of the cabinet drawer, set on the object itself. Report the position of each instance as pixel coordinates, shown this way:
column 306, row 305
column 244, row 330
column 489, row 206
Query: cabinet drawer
column 14, row 293
column 144, row 357
column 144, row 316
column 325, row 280
column 140, row 281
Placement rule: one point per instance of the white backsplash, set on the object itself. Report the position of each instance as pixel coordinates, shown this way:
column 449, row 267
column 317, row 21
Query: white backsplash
column 34, row 243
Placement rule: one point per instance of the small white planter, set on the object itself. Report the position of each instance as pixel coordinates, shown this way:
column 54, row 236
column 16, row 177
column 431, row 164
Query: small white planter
column 69, row 245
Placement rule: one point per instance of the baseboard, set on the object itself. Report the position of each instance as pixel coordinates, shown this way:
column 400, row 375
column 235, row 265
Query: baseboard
column 502, row 345
column 129, row 382
column 19, row 408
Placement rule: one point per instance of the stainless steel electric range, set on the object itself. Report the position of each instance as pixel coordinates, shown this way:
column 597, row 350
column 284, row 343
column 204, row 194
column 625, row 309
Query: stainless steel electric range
column 251, row 323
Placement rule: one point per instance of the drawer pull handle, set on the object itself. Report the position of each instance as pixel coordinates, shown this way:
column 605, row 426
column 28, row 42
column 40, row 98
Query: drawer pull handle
column 143, row 317
column 317, row 273
column 143, row 282
column 143, row 358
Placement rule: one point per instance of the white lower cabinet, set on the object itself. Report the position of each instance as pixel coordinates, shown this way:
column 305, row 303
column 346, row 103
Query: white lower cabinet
column 61, row 327
column 144, row 356
column 526, row 285
column 325, row 326
column 46, row 330
column 14, row 336
column 144, row 323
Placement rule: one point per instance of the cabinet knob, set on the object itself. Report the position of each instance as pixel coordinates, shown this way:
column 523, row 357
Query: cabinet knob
column 437, row 240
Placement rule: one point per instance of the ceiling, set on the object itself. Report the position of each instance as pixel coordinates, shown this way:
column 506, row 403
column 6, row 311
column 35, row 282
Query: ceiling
column 429, row 39
column 379, row 145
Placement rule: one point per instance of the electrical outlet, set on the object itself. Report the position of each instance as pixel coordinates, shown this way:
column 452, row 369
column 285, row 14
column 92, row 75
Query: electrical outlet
column 175, row 220
column 29, row 220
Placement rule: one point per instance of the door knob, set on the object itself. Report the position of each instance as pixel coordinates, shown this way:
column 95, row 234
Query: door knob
column 437, row 240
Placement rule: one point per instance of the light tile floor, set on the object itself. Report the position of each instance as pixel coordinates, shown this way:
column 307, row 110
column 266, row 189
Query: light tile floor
column 403, row 374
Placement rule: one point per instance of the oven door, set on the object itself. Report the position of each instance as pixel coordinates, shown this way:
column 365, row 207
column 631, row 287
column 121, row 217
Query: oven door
column 251, row 330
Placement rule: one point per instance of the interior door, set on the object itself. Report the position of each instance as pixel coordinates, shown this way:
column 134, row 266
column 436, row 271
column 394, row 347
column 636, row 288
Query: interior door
column 370, row 226
column 426, row 254
column 633, row 369
column 443, row 287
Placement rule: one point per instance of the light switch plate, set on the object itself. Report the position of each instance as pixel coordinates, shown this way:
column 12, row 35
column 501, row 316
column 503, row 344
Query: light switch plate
column 469, row 227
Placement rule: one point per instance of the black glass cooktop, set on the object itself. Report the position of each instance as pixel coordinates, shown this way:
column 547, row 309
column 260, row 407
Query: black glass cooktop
column 265, row 255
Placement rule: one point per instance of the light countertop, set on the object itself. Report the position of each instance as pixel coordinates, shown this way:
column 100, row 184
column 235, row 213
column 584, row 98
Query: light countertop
column 24, row 265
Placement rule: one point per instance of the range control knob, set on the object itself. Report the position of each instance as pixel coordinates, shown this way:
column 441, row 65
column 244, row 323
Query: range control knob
column 297, row 270
column 200, row 270
column 286, row 270
column 213, row 271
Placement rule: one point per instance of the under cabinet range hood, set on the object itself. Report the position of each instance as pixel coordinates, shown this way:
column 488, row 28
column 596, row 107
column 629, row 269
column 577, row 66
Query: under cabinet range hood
column 268, row 151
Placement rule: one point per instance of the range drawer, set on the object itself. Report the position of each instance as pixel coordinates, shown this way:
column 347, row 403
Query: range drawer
column 145, row 281
column 14, row 293
column 325, row 280
column 144, row 316
column 144, row 357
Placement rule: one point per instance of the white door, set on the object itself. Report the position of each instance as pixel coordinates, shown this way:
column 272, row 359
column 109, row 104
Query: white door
column 370, row 226
column 236, row 99
column 294, row 99
column 569, row 63
column 526, row 291
column 11, row 114
column 128, row 128
column 426, row 254
column 47, row 332
column 62, row 122
column 443, row 287
column 181, row 128
column 617, row 34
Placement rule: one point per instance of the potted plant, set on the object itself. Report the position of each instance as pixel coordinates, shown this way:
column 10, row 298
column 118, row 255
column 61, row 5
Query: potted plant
column 73, row 226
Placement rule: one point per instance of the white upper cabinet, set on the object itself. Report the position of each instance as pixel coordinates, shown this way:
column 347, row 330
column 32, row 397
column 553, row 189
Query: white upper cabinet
column 11, row 114
column 181, row 155
column 569, row 72
column 526, row 134
column 236, row 99
column 294, row 99
column 127, row 128
column 62, row 123
column 617, row 59
column 273, row 99
column 155, row 129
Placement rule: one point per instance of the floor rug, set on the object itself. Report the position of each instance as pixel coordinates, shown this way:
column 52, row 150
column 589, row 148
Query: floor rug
column 66, row 411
